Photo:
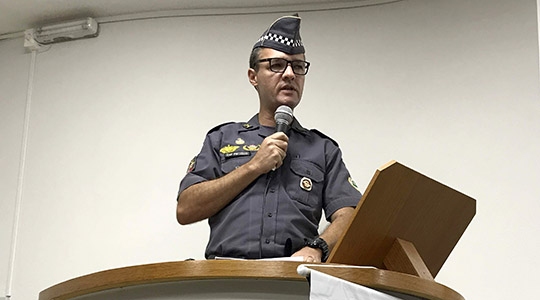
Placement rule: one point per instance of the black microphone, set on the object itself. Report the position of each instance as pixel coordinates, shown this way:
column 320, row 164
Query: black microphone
column 284, row 118
column 288, row 248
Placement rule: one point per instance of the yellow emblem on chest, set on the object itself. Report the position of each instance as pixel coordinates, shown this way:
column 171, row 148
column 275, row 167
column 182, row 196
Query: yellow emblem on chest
column 251, row 147
column 228, row 149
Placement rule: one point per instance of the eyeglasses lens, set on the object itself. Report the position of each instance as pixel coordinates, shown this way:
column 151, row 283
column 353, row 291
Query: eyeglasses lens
column 280, row 65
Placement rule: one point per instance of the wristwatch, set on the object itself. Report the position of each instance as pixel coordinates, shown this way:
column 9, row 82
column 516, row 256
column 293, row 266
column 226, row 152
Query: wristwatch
column 319, row 243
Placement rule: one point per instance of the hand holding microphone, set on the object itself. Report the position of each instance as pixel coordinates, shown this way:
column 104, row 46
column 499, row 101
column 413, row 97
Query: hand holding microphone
column 274, row 148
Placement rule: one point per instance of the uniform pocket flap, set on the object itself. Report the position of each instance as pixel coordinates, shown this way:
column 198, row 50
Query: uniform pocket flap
column 307, row 169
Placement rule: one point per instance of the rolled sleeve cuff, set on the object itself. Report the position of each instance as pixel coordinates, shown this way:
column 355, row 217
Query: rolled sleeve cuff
column 190, row 180
column 339, row 203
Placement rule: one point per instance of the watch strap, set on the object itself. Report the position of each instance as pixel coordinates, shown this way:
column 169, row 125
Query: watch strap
column 319, row 243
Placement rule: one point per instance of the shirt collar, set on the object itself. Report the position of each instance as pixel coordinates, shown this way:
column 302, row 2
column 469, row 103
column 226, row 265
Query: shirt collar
column 253, row 124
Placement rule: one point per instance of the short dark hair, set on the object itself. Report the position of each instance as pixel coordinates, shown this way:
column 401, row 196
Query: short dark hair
column 254, row 57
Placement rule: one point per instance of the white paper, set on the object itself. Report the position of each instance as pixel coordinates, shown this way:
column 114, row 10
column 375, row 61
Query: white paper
column 285, row 258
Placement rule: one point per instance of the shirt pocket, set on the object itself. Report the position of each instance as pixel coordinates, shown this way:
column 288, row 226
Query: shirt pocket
column 305, row 182
column 232, row 162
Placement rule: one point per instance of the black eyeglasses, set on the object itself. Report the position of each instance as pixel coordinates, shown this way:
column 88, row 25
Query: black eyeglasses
column 279, row 65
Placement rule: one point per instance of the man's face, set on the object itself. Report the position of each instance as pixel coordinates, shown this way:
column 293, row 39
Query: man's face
column 277, row 89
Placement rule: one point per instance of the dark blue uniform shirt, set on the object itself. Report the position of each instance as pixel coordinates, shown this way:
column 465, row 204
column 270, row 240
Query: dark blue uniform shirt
column 274, row 215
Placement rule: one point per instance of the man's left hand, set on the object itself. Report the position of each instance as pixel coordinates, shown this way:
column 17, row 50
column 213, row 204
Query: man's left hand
column 309, row 254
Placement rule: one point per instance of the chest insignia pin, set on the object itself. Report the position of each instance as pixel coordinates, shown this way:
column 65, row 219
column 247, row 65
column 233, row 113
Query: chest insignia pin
column 251, row 147
column 306, row 184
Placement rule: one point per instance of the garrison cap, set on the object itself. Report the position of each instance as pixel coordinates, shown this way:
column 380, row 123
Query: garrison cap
column 283, row 35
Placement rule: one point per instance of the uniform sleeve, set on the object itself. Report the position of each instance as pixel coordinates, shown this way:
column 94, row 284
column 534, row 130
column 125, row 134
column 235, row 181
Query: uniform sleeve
column 339, row 190
column 206, row 165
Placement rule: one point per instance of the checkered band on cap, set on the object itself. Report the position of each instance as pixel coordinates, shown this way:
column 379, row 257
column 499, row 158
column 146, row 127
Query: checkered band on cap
column 281, row 39
column 283, row 35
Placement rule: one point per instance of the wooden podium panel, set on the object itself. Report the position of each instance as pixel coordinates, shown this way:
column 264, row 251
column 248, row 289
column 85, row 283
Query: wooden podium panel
column 202, row 277
column 400, row 203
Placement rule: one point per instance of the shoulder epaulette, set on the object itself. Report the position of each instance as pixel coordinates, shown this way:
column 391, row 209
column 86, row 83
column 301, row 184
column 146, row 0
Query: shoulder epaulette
column 325, row 136
column 219, row 126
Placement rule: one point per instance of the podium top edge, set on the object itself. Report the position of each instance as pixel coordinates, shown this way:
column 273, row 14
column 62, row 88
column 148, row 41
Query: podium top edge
column 388, row 164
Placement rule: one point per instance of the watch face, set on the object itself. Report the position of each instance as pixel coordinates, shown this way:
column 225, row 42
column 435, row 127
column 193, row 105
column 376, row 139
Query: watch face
column 312, row 244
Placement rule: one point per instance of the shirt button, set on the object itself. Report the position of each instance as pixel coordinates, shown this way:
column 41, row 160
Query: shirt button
column 272, row 191
column 267, row 241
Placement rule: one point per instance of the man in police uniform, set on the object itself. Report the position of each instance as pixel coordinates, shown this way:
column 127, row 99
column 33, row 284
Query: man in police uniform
column 263, row 191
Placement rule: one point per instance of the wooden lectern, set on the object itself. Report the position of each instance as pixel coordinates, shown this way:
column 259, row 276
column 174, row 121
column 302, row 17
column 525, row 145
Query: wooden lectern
column 405, row 222
column 405, row 226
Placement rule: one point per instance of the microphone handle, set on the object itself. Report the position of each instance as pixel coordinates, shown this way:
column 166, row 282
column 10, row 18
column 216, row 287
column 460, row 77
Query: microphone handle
column 288, row 248
column 282, row 127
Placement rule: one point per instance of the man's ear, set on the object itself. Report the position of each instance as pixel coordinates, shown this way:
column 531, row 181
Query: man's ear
column 252, row 75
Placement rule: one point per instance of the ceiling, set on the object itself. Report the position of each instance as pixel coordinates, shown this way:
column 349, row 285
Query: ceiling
column 19, row 15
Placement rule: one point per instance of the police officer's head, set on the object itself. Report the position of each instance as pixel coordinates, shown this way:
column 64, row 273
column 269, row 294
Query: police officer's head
column 277, row 65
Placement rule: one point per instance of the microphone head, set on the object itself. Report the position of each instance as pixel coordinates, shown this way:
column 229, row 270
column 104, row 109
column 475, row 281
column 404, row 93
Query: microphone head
column 283, row 115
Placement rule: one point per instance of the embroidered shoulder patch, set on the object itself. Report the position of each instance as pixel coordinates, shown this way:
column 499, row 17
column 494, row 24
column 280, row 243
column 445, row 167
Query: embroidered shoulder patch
column 353, row 183
column 192, row 164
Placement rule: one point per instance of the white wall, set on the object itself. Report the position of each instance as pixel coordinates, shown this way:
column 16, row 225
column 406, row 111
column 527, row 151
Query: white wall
column 449, row 88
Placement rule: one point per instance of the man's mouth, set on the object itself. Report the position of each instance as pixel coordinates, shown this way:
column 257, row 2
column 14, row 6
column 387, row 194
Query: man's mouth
column 288, row 88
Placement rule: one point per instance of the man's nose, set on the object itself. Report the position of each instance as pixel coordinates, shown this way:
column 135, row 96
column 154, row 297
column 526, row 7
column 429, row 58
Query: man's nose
column 289, row 71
